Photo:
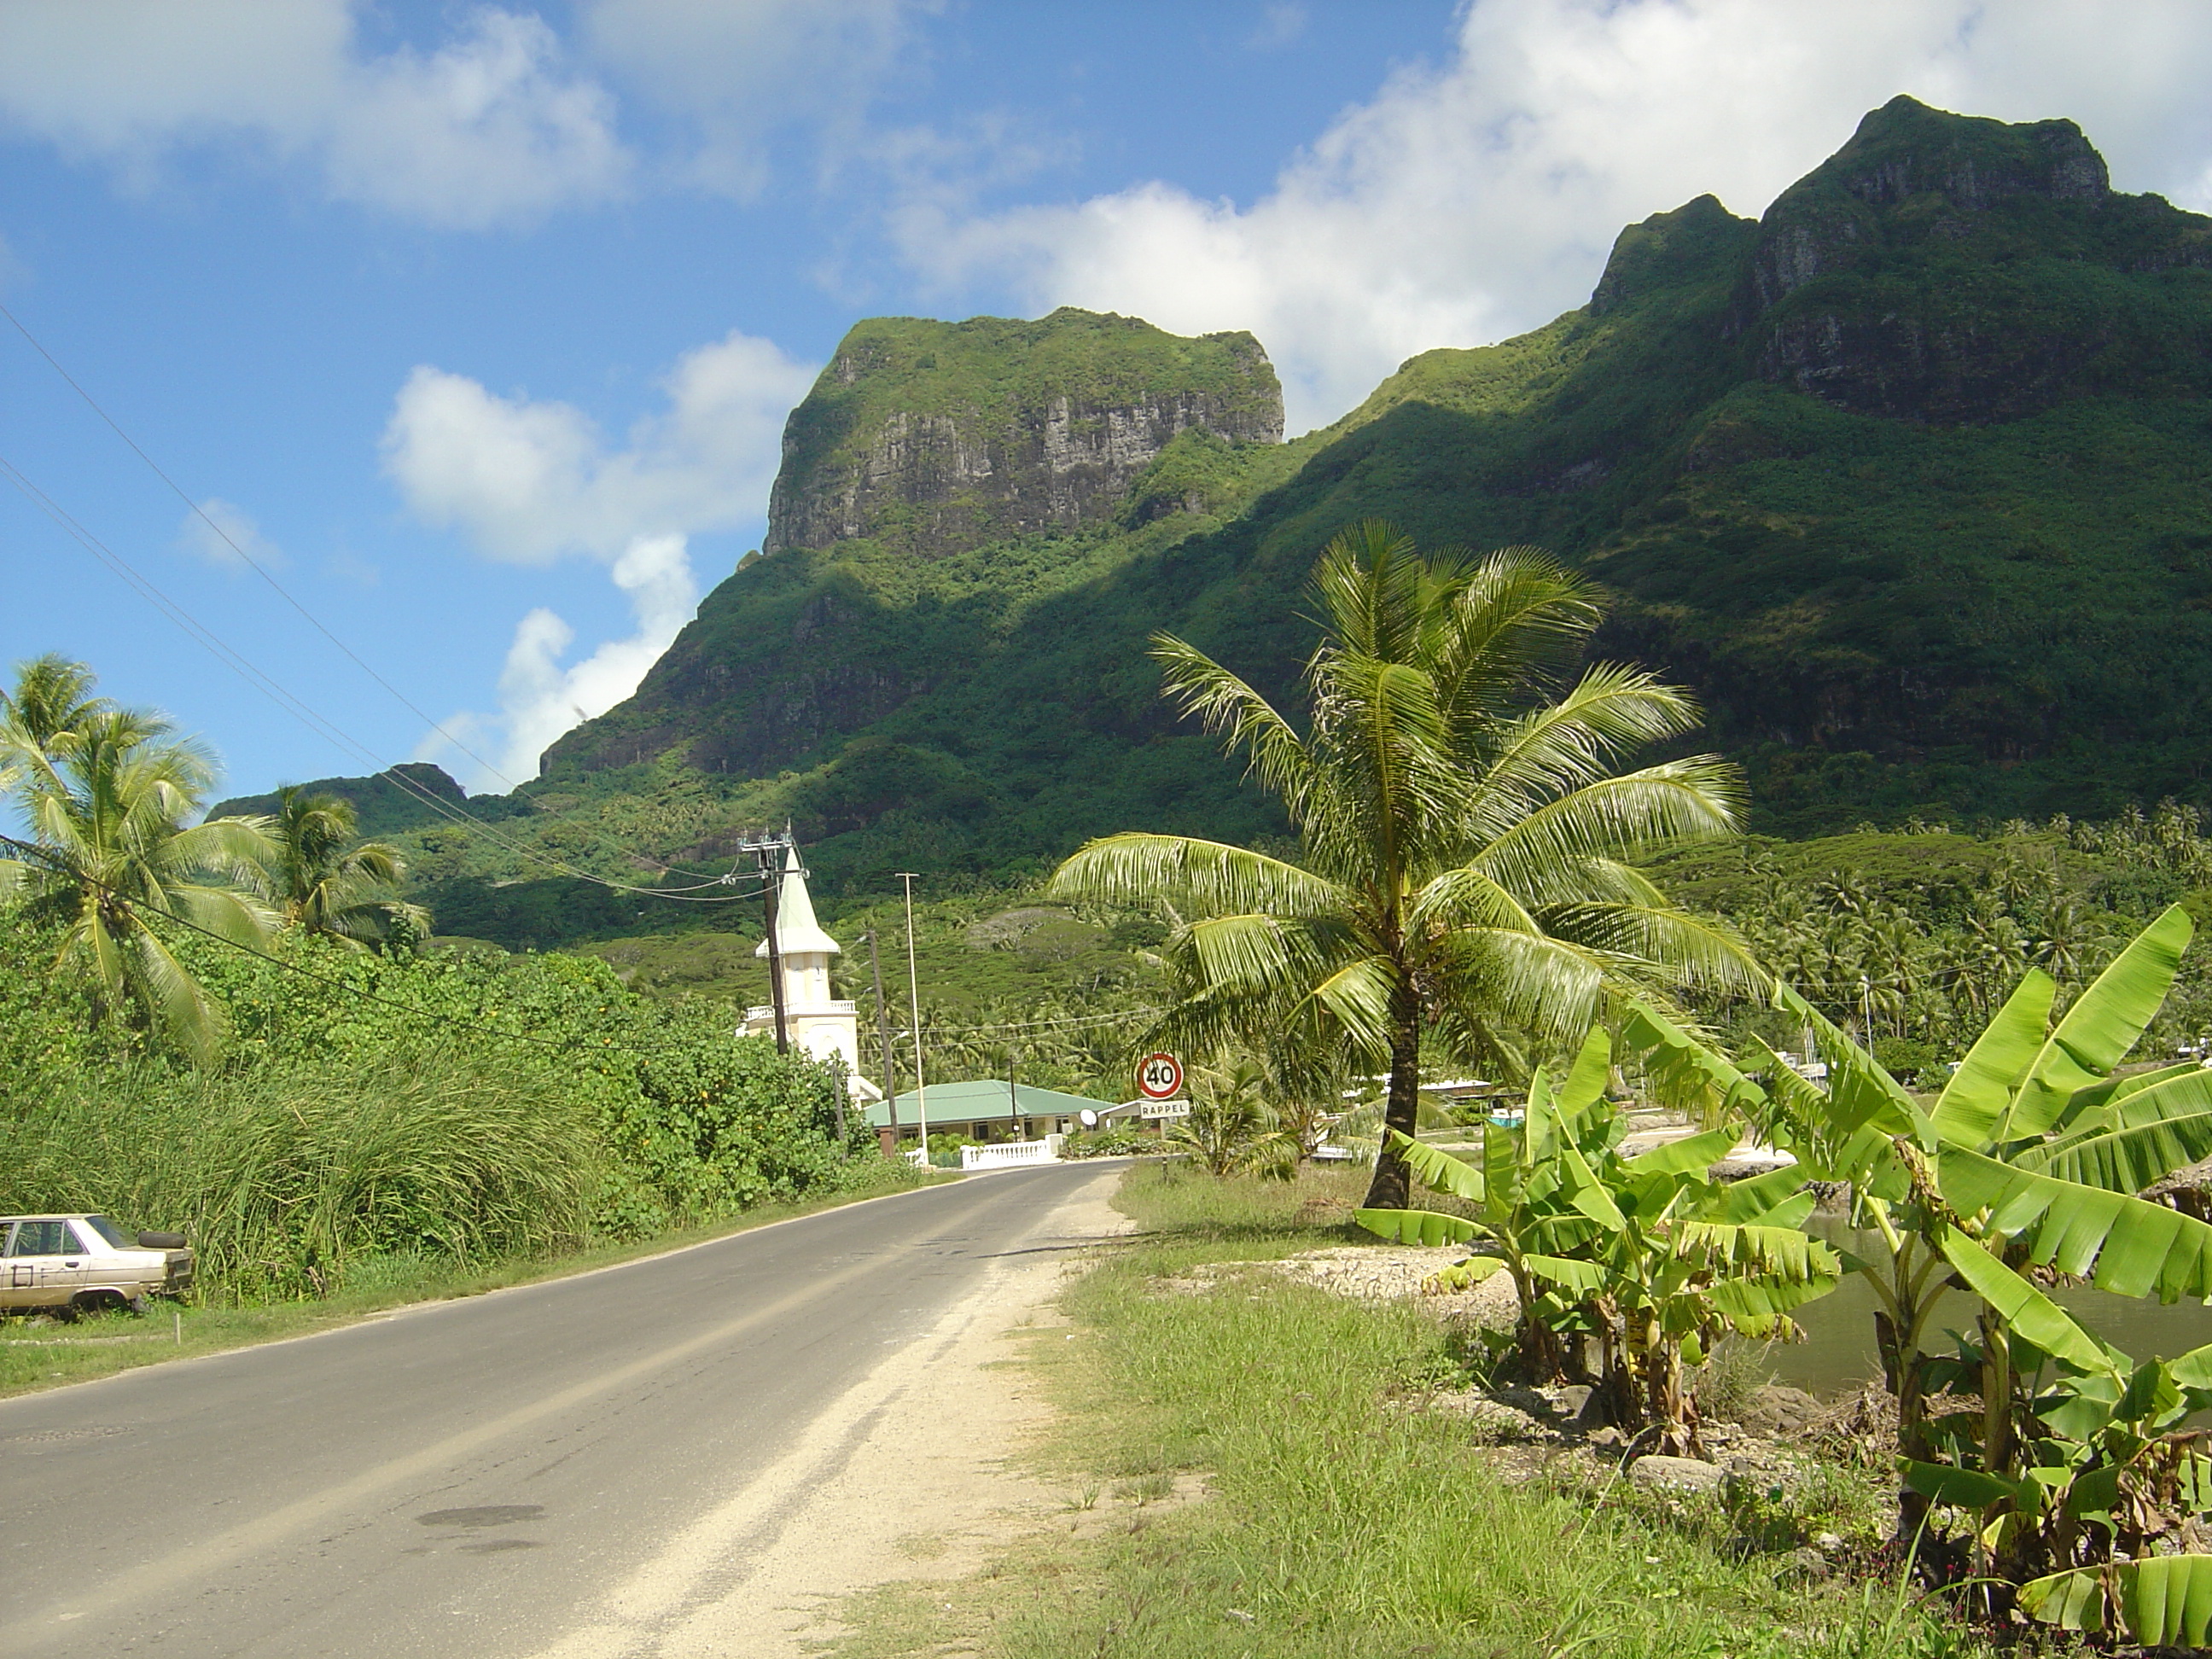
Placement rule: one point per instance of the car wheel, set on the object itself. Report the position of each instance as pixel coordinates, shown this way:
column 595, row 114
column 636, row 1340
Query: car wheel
column 97, row 1302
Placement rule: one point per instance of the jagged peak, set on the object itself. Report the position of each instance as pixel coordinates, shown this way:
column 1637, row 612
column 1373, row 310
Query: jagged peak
column 1908, row 149
column 1669, row 248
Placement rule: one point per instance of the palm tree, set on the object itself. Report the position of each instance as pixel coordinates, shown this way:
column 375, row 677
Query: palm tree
column 1230, row 1126
column 52, row 695
column 325, row 884
column 106, row 793
column 1464, row 841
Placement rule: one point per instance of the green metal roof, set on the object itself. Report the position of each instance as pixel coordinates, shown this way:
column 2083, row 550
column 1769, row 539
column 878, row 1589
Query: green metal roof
column 982, row 1100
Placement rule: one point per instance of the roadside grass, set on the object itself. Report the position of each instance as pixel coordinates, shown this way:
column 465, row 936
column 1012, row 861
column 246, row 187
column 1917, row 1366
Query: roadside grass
column 43, row 1352
column 1340, row 1523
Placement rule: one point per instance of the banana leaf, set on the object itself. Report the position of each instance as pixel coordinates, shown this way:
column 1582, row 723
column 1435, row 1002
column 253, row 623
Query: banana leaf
column 1585, row 1087
column 1418, row 1227
column 1584, row 1276
column 1777, row 1251
column 1972, row 1101
column 1683, row 1072
column 2106, row 1021
column 2084, row 1102
column 1582, row 1189
column 2134, row 1140
column 2165, row 1601
column 1464, row 1275
column 2026, row 1309
column 2122, row 1243
column 2193, row 1370
column 1540, row 1129
column 1754, row 1305
column 1749, row 1200
column 1963, row 1489
column 1693, row 1154
column 1439, row 1171
column 1860, row 1095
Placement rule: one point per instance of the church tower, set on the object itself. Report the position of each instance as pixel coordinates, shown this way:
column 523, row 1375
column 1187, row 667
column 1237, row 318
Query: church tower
column 818, row 1023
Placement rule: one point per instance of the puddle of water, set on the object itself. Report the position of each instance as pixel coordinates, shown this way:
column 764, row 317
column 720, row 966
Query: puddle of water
column 1838, row 1350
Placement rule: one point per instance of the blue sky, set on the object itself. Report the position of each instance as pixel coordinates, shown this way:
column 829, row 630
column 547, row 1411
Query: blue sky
column 477, row 325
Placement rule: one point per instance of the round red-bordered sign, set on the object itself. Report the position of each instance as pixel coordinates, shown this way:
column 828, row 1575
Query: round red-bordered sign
column 1159, row 1077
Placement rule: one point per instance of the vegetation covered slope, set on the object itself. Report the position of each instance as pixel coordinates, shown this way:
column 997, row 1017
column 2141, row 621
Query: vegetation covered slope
column 1912, row 479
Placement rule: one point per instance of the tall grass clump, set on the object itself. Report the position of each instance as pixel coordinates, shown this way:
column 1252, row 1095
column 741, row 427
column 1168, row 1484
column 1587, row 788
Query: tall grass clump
column 287, row 1176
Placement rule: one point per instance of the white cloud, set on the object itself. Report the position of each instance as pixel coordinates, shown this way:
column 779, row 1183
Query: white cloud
column 226, row 536
column 1474, row 200
column 540, row 697
column 485, row 130
column 739, row 71
column 530, row 482
column 1279, row 25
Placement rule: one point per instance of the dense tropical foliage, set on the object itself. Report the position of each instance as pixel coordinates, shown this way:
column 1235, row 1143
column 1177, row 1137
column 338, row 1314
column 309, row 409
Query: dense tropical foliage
column 237, row 1026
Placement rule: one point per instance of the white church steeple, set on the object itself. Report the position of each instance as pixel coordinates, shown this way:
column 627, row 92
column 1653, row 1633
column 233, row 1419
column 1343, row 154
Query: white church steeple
column 817, row 1023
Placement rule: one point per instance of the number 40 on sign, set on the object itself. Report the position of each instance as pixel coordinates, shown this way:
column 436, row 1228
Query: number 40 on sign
column 1159, row 1077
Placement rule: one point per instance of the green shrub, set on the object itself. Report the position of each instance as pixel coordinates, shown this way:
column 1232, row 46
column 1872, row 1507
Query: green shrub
column 1115, row 1142
column 457, row 1107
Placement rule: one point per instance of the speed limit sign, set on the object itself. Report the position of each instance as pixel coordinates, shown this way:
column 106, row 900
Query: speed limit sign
column 1159, row 1077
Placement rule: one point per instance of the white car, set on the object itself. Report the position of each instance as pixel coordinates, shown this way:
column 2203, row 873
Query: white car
column 83, row 1263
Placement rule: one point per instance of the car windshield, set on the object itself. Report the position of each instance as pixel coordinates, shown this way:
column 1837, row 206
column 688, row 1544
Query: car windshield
column 108, row 1231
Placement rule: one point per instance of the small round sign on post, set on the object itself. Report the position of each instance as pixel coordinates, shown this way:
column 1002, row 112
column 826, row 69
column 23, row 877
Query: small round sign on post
column 1159, row 1077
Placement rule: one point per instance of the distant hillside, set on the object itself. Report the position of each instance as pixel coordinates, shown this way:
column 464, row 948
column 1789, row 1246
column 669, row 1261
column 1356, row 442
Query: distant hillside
column 1911, row 478
column 386, row 808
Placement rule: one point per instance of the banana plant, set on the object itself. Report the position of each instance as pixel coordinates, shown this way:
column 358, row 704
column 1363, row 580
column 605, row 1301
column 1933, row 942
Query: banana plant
column 2031, row 1158
column 1648, row 1253
column 2110, row 1471
column 1533, row 1194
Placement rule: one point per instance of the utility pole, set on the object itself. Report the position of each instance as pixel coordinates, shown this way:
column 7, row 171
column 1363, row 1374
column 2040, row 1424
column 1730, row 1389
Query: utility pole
column 1014, row 1095
column 883, row 1029
column 769, row 896
column 913, row 993
column 770, row 852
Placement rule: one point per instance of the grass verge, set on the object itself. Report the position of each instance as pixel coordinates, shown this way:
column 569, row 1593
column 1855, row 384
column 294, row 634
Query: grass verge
column 1340, row 1524
column 47, row 1353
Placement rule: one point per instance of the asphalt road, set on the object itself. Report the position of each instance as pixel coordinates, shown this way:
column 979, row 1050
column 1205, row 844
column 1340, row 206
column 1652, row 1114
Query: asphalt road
column 468, row 1477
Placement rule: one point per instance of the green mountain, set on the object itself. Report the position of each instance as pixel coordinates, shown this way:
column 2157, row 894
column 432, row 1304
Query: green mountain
column 1911, row 478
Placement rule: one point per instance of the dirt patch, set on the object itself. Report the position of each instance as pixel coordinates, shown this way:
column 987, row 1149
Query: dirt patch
column 1373, row 1273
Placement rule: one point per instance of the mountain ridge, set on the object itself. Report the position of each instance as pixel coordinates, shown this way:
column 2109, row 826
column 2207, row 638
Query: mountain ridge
column 1910, row 478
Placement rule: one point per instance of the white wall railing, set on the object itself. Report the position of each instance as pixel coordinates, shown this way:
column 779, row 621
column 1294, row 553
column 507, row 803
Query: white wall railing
column 1008, row 1153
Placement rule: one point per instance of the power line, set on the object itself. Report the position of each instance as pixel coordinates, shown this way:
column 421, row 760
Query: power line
column 272, row 688
column 315, row 622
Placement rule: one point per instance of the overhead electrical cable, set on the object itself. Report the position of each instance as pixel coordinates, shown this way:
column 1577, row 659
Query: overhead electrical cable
column 282, row 592
column 270, row 687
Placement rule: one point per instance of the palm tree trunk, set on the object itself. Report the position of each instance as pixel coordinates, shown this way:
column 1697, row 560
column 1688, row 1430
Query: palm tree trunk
column 1393, row 1184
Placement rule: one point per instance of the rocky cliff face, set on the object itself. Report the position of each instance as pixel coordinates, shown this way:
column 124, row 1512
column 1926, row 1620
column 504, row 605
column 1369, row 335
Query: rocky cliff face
column 1895, row 279
column 925, row 441
column 932, row 437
